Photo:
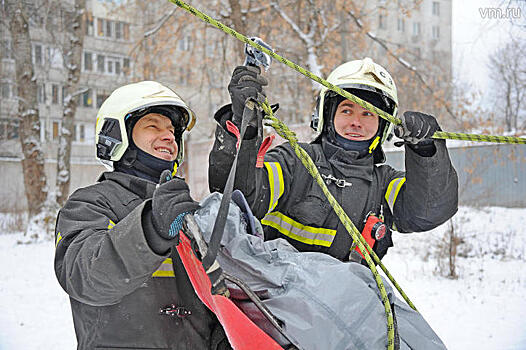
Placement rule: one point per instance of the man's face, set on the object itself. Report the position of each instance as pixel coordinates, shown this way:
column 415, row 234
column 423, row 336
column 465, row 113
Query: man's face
column 154, row 134
column 354, row 122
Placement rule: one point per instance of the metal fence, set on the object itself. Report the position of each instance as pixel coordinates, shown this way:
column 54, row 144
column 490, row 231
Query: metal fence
column 489, row 175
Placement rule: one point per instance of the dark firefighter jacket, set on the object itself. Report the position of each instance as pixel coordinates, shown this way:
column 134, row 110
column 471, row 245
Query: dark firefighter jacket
column 291, row 205
column 116, row 283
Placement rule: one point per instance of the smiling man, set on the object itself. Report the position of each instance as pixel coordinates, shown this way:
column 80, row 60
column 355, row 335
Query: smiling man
column 114, row 239
column 154, row 134
column 348, row 154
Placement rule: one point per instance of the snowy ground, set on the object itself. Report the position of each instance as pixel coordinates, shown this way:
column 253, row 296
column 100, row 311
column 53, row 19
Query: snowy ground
column 484, row 308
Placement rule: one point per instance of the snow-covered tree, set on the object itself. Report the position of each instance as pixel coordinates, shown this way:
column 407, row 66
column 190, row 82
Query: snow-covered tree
column 35, row 181
column 73, row 28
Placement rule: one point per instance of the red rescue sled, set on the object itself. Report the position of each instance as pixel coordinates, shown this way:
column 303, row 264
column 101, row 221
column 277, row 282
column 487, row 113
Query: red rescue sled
column 242, row 333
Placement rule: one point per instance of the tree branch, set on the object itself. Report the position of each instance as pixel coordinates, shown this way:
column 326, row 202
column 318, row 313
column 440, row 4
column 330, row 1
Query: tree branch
column 404, row 63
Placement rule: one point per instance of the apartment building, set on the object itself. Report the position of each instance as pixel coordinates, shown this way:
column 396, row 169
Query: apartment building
column 105, row 65
column 117, row 51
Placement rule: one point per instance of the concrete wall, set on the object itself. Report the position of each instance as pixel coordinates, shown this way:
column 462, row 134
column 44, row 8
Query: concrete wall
column 12, row 182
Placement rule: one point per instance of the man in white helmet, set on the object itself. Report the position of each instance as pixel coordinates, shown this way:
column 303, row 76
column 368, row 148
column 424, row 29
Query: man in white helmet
column 114, row 239
column 348, row 154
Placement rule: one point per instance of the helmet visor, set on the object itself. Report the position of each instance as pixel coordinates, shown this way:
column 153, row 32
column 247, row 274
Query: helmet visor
column 374, row 96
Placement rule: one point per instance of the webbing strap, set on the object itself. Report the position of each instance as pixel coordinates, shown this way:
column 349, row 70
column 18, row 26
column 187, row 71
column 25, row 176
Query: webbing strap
column 219, row 224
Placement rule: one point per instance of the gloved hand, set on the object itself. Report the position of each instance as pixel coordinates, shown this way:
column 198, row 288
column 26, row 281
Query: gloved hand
column 171, row 201
column 246, row 82
column 416, row 127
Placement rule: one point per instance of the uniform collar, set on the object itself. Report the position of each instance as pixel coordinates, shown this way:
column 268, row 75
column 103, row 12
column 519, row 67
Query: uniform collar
column 348, row 163
column 141, row 187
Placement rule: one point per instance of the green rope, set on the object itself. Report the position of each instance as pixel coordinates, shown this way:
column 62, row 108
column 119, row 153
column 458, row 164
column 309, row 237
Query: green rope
column 347, row 95
column 286, row 133
column 290, row 136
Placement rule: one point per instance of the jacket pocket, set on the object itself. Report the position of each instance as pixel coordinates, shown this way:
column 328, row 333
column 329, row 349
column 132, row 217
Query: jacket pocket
column 311, row 210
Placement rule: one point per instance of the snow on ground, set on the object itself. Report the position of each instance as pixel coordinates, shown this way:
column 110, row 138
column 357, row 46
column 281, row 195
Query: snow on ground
column 483, row 309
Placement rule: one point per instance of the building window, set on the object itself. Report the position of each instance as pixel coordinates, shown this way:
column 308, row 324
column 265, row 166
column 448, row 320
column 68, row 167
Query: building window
column 100, row 27
column 87, row 100
column 114, row 65
column 55, row 131
column 416, row 29
column 436, row 32
column 88, row 61
column 109, row 29
column 100, row 64
column 126, row 66
column 401, row 25
column 35, row 19
column 64, row 94
column 38, row 54
column 101, row 97
column 6, row 49
column 381, row 22
column 89, row 24
column 436, row 8
column 9, row 129
column 41, row 93
column 118, row 30
column 54, row 93
column 184, row 44
column 126, row 31
column 54, row 57
column 5, row 89
column 79, row 133
column 183, row 78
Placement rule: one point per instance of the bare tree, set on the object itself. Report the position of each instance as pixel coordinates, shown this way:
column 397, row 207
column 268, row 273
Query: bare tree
column 35, row 181
column 507, row 66
column 73, row 42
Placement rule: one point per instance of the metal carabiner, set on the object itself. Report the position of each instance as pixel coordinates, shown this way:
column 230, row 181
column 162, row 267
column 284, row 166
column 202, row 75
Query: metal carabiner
column 338, row 182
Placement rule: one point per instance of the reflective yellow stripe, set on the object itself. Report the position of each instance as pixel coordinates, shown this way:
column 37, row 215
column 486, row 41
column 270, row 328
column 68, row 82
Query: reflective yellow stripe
column 165, row 270
column 295, row 230
column 392, row 191
column 110, row 224
column 59, row 238
column 275, row 179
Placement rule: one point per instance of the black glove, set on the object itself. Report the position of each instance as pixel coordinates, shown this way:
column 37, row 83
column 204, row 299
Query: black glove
column 416, row 127
column 416, row 131
column 170, row 203
column 246, row 82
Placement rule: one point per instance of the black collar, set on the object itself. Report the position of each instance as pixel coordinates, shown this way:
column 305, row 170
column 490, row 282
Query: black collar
column 141, row 187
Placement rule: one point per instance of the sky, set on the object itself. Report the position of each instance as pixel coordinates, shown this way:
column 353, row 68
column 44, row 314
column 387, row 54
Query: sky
column 477, row 34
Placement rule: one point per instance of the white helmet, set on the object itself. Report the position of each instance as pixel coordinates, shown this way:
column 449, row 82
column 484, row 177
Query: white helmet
column 360, row 75
column 135, row 99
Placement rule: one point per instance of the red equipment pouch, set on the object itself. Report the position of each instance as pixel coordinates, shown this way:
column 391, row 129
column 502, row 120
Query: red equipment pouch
column 374, row 230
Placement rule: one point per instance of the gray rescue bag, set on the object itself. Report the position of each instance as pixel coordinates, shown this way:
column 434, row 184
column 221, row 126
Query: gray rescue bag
column 322, row 303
